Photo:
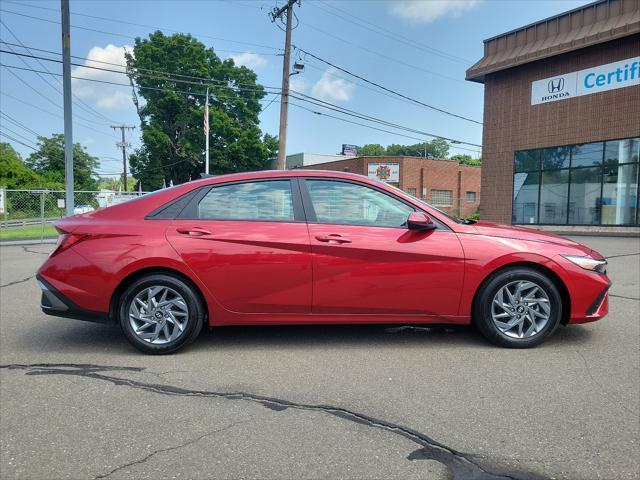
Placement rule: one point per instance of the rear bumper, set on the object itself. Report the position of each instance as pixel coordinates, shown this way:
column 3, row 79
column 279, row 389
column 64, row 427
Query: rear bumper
column 55, row 303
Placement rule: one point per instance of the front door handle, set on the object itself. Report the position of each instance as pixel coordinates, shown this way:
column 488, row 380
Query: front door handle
column 333, row 238
column 193, row 231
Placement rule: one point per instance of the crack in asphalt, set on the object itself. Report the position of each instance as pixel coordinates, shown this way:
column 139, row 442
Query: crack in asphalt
column 17, row 282
column 604, row 391
column 462, row 466
column 622, row 255
column 33, row 251
column 163, row 450
column 626, row 298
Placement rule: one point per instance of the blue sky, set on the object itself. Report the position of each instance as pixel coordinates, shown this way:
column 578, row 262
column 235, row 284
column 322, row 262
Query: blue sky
column 448, row 33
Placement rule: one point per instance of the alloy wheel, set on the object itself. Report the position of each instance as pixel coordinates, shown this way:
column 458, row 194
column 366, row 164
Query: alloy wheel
column 158, row 315
column 520, row 309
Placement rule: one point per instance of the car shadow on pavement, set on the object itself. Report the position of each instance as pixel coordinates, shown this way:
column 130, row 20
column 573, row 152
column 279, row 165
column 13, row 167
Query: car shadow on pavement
column 86, row 337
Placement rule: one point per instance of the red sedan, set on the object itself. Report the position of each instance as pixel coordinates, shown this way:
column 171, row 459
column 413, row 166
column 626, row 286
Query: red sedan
column 293, row 247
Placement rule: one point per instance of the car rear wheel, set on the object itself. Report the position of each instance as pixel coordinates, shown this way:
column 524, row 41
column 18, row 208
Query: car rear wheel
column 518, row 308
column 160, row 313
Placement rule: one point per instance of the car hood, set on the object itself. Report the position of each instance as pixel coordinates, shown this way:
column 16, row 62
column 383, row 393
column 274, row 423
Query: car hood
column 522, row 233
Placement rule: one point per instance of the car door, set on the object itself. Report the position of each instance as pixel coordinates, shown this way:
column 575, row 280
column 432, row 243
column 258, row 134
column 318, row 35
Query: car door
column 248, row 243
column 367, row 261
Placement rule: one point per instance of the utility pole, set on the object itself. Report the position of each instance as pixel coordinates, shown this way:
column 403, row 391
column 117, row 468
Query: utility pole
column 123, row 144
column 206, row 134
column 66, row 90
column 286, row 64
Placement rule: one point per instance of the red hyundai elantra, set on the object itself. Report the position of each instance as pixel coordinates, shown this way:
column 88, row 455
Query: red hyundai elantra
column 293, row 247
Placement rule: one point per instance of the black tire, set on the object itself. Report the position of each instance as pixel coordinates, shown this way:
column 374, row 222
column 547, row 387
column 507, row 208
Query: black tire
column 194, row 318
column 482, row 308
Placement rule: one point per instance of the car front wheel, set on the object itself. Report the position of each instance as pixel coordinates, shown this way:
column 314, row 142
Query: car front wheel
column 160, row 313
column 518, row 308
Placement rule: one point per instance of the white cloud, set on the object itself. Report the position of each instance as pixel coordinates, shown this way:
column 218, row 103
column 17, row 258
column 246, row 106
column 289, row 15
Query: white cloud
column 87, row 141
column 249, row 60
column 332, row 88
column 298, row 83
column 425, row 11
column 104, row 95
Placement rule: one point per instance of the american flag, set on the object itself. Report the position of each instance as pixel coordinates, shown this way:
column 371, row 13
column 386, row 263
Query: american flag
column 206, row 118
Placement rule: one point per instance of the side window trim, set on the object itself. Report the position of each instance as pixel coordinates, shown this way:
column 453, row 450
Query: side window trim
column 310, row 210
column 311, row 214
column 190, row 212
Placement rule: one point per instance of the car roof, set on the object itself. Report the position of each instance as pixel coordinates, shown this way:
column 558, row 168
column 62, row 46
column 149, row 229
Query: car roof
column 298, row 172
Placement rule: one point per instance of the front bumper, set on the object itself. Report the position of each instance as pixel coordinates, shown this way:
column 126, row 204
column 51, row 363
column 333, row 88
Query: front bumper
column 597, row 309
column 55, row 303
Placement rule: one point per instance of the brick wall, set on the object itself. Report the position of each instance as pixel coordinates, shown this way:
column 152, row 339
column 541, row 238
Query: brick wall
column 511, row 123
column 423, row 175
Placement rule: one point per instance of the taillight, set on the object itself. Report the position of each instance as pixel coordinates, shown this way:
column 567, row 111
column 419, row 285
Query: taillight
column 66, row 240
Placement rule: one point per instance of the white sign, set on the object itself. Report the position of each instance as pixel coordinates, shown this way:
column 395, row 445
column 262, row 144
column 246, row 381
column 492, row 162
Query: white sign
column 61, row 203
column 625, row 73
column 2, row 206
column 385, row 172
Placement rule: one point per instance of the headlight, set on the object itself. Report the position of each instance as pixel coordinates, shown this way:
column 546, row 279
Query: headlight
column 588, row 263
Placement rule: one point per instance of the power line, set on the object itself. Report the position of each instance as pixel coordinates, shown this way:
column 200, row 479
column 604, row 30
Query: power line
column 16, row 133
column 394, row 92
column 346, row 111
column 362, row 23
column 194, row 77
column 386, row 57
column 167, row 76
column 366, row 126
column 137, row 69
column 24, row 82
column 17, row 141
column 24, row 102
column 125, row 22
column 87, row 108
column 18, row 124
column 309, row 99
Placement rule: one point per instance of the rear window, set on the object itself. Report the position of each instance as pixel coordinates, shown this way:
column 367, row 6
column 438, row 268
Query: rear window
column 267, row 201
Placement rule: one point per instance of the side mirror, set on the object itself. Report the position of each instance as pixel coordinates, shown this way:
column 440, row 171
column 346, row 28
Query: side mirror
column 420, row 221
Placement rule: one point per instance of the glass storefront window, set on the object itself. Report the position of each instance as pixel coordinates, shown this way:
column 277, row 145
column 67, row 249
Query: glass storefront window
column 571, row 185
column 554, row 158
column 525, row 197
column 554, row 190
column 527, row 161
column 622, row 151
column 586, row 155
column 584, row 197
column 620, row 195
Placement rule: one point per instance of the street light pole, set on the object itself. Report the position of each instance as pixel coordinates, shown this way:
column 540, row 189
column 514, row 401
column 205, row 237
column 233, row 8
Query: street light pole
column 66, row 90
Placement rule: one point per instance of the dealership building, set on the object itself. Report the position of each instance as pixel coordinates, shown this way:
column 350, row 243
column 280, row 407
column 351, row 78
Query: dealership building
column 561, row 138
column 446, row 184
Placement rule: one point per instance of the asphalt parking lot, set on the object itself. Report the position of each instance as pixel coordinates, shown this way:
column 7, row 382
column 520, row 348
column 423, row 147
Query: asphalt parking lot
column 77, row 401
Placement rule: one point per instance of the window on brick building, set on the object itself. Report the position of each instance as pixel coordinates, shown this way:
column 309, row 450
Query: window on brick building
column 471, row 197
column 411, row 191
column 442, row 198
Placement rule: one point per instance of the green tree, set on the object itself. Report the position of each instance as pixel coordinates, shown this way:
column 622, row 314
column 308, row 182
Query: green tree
column 173, row 143
column 117, row 183
column 465, row 159
column 437, row 148
column 48, row 161
column 372, row 150
column 15, row 174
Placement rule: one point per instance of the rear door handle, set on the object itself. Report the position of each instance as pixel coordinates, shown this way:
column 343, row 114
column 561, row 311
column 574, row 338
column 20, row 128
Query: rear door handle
column 332, row 238
column 193, row 231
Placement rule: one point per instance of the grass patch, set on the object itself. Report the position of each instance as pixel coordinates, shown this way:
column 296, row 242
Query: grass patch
column 28, row 232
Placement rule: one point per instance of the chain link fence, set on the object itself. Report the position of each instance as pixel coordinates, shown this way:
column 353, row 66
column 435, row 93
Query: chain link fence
column 28, row 214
